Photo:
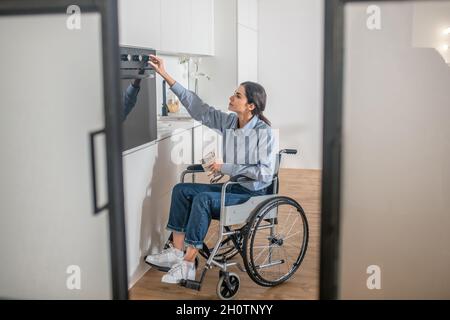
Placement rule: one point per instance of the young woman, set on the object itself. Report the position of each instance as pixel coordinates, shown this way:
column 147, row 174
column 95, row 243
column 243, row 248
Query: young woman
column 194, row 204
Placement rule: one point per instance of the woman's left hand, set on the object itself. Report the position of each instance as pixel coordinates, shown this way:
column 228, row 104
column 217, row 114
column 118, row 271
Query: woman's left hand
column 215, row 167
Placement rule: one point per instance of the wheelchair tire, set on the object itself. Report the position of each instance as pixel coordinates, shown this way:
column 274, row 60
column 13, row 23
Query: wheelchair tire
column 272, row 234
column 228, row 291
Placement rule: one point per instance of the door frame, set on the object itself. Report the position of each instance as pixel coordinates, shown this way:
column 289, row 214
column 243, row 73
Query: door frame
column 113, row 124
column 332, row 143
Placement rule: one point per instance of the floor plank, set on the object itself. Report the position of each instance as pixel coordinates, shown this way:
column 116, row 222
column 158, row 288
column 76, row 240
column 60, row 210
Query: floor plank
column 302, row 185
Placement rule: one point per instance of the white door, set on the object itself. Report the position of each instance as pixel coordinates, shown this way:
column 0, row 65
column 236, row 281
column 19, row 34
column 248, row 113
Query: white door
column 52, row 246
column 395, row 174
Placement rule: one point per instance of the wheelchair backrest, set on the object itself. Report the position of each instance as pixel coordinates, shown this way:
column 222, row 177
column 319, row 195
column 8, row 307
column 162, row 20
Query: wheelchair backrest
column 273, row 188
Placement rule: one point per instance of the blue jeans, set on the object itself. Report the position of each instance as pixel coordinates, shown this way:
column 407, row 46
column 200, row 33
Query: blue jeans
column 195, row 204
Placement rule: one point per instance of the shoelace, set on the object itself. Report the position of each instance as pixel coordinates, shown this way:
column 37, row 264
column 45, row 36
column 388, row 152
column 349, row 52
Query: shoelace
column 165, row 251
column 168, row 249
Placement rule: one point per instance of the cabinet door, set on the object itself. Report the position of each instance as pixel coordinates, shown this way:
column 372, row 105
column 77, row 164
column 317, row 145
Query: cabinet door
column 202, row 27
column 212, row 141
column 176, row 26
column 140, row 23
column 198, row 144
column 52, row 246
column 150, row 175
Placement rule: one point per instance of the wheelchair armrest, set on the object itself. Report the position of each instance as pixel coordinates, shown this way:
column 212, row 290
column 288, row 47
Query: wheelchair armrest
column 241, row 178
column 195, row 167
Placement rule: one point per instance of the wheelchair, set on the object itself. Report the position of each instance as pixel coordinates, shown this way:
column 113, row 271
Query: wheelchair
column 270, row 232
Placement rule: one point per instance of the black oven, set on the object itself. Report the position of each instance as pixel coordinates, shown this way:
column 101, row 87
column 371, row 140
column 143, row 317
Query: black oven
column 139, row 126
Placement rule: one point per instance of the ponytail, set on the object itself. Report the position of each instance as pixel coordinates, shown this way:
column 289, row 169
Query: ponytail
column 263, row 118
column 257, row 95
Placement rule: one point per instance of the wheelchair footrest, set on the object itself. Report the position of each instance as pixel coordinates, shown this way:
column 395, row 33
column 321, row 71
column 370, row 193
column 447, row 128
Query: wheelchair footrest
column 191, row 284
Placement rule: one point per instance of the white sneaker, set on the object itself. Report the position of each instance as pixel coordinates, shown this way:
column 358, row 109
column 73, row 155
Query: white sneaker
column 166, row 259
column 183, row 270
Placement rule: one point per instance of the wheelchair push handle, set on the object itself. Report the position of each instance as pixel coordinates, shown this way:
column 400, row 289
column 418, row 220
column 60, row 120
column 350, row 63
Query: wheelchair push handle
column 289, row 151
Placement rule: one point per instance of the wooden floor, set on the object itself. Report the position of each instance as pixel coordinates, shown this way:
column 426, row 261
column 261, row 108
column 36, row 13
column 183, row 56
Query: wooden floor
column 302, row 185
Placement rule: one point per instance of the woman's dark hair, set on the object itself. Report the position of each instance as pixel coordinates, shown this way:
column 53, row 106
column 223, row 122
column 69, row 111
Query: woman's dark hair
column 257, row 95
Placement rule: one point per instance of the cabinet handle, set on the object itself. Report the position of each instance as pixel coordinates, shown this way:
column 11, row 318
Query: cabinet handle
column 97, row 209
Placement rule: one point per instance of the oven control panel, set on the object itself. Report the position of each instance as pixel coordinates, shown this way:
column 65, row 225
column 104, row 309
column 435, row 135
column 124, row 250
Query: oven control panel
column 134, row 63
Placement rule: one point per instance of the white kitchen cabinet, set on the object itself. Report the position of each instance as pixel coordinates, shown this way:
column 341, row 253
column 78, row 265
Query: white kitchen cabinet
column 169, row 26
column 211, row 142
column 198, row 144
column 202, row 31
column 206, row 140
column 176, row 26
column 149, row 177
column 140, row 23
column 187, row 26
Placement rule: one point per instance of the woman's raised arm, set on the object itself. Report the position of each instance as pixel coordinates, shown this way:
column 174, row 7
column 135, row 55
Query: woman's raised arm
column 199, row 110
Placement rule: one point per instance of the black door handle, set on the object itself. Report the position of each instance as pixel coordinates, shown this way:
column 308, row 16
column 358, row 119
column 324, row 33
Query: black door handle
column 97, row 208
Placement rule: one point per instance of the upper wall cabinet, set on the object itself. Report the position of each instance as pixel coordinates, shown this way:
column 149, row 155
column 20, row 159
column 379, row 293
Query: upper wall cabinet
column 169, row 26
column 176, row 26
column 202, row 31
column 140, row 23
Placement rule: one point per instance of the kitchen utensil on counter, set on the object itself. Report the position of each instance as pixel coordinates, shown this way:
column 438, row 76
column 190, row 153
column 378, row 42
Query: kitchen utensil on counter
column 173, row 104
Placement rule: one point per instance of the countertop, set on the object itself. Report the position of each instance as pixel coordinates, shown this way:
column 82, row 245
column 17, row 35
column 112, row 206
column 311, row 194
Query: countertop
column 168, row 127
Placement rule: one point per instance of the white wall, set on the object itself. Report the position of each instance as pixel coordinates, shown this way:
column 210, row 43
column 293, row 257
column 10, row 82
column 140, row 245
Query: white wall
column 179, row 72
column 247, row 34
column 290, row 64
column 223, row 66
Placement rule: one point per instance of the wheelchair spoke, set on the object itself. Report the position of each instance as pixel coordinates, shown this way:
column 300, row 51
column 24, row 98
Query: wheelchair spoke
column 264, row 262
column 292, row 235
column 259, row 255
column 290, row 245
column 259, row 247
column 291, row 227
column 287, row 221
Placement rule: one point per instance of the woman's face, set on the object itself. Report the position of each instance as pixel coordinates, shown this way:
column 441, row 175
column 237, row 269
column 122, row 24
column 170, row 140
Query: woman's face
column 239, row 103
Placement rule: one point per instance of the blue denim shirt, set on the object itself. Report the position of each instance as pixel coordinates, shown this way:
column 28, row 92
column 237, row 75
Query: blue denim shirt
column 249, row 151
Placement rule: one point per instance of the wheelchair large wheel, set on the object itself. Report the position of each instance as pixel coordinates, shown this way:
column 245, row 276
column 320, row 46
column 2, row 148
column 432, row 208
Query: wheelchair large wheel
column 276, row 241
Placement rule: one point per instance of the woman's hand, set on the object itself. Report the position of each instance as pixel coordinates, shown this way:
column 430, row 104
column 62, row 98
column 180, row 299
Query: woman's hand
column 215, row 168
column 158, row 64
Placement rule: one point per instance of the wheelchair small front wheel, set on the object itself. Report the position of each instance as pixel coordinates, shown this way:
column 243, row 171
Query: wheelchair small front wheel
column 276, row 241
column 227, row 289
